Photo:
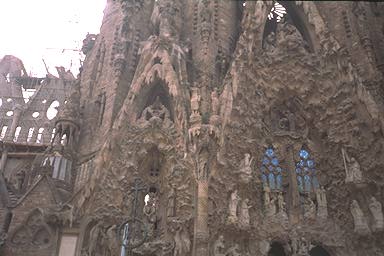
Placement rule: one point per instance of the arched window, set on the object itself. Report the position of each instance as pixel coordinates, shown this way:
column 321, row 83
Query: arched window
column 306, row 172
column 271, row 172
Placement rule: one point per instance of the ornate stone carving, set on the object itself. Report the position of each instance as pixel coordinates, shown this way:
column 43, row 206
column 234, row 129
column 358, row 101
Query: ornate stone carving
column 244, row 219
column 182, row 240
column 270, row 43
column 300, row 246
column 232, row 207
column 352, row 169
column 156, row 114
column 245, row 168
column 289, row 38
column 150, row 213
column 269, row 203
column 195, row 116
column 309, row 208
column 321, row 198
column 376, row 210
column 219, row 247
column 234, row 250
column 361, row 225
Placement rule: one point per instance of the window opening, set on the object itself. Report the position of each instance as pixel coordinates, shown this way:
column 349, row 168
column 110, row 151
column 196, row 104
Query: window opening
column 271, row 172
column 17, row 133
column 3, row 131
column 39, row 135
column 30, row 134
column 306, row 172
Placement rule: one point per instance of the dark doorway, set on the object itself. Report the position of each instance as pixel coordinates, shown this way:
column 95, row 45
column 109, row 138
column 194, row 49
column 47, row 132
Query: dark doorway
column 318, row 251
column 276, row 250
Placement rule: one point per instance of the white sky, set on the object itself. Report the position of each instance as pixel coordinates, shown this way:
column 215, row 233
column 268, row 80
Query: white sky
column 29, row 28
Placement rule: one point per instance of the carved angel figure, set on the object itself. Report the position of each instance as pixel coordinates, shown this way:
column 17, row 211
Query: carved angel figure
column 244, row 220
column 376, row 210
column 232, row 208
column 245, row 168
column 360, row 222
column 352, row 169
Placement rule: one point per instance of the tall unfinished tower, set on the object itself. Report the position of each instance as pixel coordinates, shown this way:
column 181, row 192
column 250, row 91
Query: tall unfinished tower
column 208, row 127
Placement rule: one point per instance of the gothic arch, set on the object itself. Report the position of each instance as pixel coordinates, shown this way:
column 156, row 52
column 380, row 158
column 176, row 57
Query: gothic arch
column 305, row 170
column 295, row 16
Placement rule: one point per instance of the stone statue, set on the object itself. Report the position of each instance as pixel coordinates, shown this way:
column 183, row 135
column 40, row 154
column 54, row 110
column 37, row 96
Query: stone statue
column 270, row 42
column 234, row 250
column 289, row 38
column 232, row 208
column 195, row 102
column 245, row 168
column 219, row 247
column 182, row 242
column 94, row 238
column 352, row 169
column 244, row 219
column 360, row 222
column 269, row 203
column 215, row 102
column 149, row 211
column 19, row 179
column 282, row 211
column 376, row 210
column 171, row 207
column 309, row 208
column 321, row 198
column 156, row 113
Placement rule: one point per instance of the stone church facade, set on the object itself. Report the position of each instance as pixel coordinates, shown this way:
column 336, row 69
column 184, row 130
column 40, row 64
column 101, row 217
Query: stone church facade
column 202, row 127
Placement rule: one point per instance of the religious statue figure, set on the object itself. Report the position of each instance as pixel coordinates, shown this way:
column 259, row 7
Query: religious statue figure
column 376, row 210
column 150, row 210
column 218, row 247
column 289, row 38
column 171, row 207
column 245, row 168
column 244, row 219
column 94, row 238
column 182, row 241
column 309, row 208
column 19, row 180
column 215, row 102
column 195, row 103
column 269, row 203
column 234, row 250
column 360, row 222
column 270, row 42
column 282, row 211
column 232, row 208
column 352, row 169
column 322, row 211
column 156, row 114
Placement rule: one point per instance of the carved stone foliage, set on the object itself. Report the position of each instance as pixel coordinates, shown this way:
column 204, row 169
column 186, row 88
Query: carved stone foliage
column 33, row 233
column 289, row 119
column 156, row 115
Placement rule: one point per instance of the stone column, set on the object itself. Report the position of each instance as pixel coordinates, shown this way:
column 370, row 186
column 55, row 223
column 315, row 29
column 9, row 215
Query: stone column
column 201, row 234
column 294, row 196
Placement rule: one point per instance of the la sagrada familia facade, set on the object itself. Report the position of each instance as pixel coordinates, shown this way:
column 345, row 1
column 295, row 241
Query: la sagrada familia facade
column 202, row 128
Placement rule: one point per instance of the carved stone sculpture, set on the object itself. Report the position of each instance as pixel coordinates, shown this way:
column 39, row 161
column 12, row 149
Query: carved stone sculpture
column 361, row 226
column 376, row 210
column 352, row 169
column 234, row 251
column 156, row 114
column 182, row 241
column 282, row 211
column 270, row 42
column 94, row 238
column 322, row 211
column 171, row 207
column 309, row 208
column 245, row 168
column 219, row 247
column 149, row 210
column 269, row 203
column 232, row 208
column 195, row 104
column 244, row 219
column 289, row 38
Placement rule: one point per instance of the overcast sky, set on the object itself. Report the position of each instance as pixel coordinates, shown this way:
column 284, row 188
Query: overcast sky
column 33, row 30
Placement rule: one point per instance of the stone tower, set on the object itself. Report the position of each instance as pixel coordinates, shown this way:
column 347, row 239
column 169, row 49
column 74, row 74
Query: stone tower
column 211, row 127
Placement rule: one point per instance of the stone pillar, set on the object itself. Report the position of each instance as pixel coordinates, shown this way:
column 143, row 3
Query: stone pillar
column 294, row 196
column 201, row 234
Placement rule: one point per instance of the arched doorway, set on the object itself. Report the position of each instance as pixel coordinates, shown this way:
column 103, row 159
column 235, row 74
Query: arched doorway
column 318, row 251
column 277, row 249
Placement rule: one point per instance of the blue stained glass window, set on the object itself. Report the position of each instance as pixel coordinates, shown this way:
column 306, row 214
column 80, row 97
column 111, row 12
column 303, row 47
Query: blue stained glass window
column 306, row 172
column 279, row 182
column 270, row 152
column 271, row 181
column 300, row 183
column 271, row 171
column 304, row 154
